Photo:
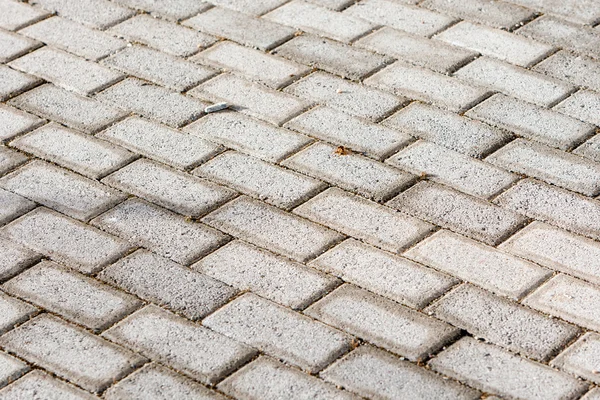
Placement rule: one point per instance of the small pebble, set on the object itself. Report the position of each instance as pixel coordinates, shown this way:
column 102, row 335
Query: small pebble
column 216, row 107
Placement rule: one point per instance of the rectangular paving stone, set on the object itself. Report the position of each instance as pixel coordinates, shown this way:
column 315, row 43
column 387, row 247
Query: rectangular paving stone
column 333, row 4
column 382, row 322
column 163, row 35
column 169, row 9
column 68, row 108
column 161, row 281
column 14, row 122
column 70, row 352
column 14, row 258
column 320, row 21
column 279, row 332
column 383, row 273
column 363, row 219
column 581, row 358
column 187, row 347
column 477, row 263
column 497, row 14
column 251, row 98
column 568, row 298
column 351, row 172
column 552, row 166
column 172, row 189
column 248, row 135
column 13, row 45
column 42, row 384
column 496, row 371
column 61, row 190
column 13, row 205
column 250, row 7
column 68, row 148
column 72, row 295
column 578, row 70
column 75, row 38
column 11, row 369
column 358, row 135
column 400, row 16
column 557, row 249
column 253, row 64
column 165, row 233
column 533, row 122
column 272, row 228
column 95, row 13
column 417, row 50
column 10, row 159
column 514, row 81
column 247, row 267
column 254, row 177
column 556, row 206
column 505, row 46
column 445, row 166
column 15, row 82
column 337, row 58
column 428, row 86
column 66, row 240
column 589, row 149
column 459, row 212
column 503, row 322
column 14, row 311
column 268, row 379
column 153, row 102
column 244, row 29
column 584, row 105
column 582, row 12
column 593, row 394
column 447, row 129
column 16, row 14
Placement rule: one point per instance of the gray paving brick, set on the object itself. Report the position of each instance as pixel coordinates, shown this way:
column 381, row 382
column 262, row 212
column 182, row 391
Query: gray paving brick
column 503, row 322
column 95, row 13
column 281, row 232
column 78, row 298
column 14, row 312
column 245, row 134
column 558, row 207
column 560, row 33
column 14, row 122
column 351, row 172
column 241, row 28
column 70, row 352
column 165, row 233
column 255, row 65
column 578, row 70
column 320, row 21
column 74, row 38
column 583, row 12
column 417, row 50
column 68, row 108
column 505, row 46
column 268, row 379
column 251, row 7
column 557, row 249
column 38, row 383
column 363, row 219
column 280, row 332
column 447, row 129
column 382, row 322
column 13, row 205
column 187, row 347
column 16, row 14
column 568, row 298
column 11, row 369
column 584, row 105
column 163, row 35
column 590, row 149
column 339, row 128
column 14, row 258
column 61, row 190
column 333, row 4
column 445, row 166
column 498, row 14
column 175, row 190
column 400, row 16
column 153, row 102
column 428, row 86
column 593, row 394
column 156, row 382
column 383, row 273
column 170, row 9
column 331, row 56
column 13, row 45
column 495, row 371
column 352, row 98
column 477, row 263
column 246, row 267
column 15, row 82
column 259, row 179
column 65, row 240
column 161, row 281
column 581, row 358
column 533, row 122
column 379, row 375
column 251, row 98
column 9, row 159
column 68, row 148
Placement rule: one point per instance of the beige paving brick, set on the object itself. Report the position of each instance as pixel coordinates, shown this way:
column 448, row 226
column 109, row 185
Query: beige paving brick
column 581, row 358
column 251, row 7
column 16, row 14
column 13, row 45
column 38, row 383
column 14, row 258
column 10, row 159
column 169, row 9
column 15, row 82
column 498, row 14
column 578, row 70
column 583, row 12
column 583, row 105
column 589, row 149
column 11, row 369
column 13, row 205
column 14, row 312
column 95, row 13
column 14, row 122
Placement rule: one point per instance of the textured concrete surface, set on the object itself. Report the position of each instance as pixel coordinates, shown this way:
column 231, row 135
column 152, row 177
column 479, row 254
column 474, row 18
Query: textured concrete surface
column 400, row 200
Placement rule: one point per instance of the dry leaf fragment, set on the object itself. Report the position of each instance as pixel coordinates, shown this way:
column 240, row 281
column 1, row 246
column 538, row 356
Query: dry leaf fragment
column 342, row 151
